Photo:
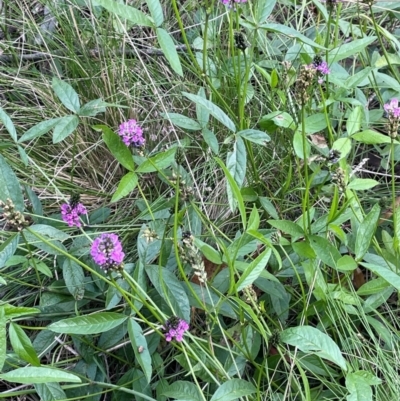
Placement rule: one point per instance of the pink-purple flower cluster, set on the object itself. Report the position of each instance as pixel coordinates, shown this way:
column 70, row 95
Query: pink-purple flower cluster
column 175, row 328
column 392, row 108
column 70, row 213
column 107, row 252
column 230, row 2
column 321, row 68
column 131, row 134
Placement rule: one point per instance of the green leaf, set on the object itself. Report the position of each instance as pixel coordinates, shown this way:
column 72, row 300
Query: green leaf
column 310, row 339
column 343, row 146
column 183, row 390
column 298, row 140
column 371, row 137
column 291, row 33
column 358, row 383
column 67, row 95
column 211, row 140
column 278, row 119
column 8, row 248
column 208, row 251
column 182, row 121
column 22, row 345
column 269, row 207
column 233, row 389
column 50, row 392
column 3, row 337
column 254, row 219
column 39, row 129
column 255, row 136
column 9, row 185
column 202, row 114
column 126, row 186
column 88, row 324
column 349, row 49
column 366, row 231
column 171, row 290
column 8, row 124
column 362, row 184
column 74, row 277
column 46, row 238
column 129, row 13
column 236, row 162
column 13, row 312
column 140, row 347
column 346, row 263
column 115, row 145
column 156, row 11
column 382, row 271
column 158, row 162
column 168, row 47
column 315, row 123
column 213, row 109
column 253, row 270
column 288, row 227
column 92, row 108
column 264, row 10
column 65, row 127
column 32, row 375
column 353, row 123
column 374, row 286
column 325, row 251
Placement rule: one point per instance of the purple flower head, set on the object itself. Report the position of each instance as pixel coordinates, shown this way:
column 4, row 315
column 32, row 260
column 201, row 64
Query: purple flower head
column 107, row 252
column 231, row 2
column 131, row 134
column 175, row 328
column 71, row 211
column 392, row 108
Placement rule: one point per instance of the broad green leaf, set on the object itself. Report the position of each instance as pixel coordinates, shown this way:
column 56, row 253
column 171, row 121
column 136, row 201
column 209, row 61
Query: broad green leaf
column 374, row 286
column 92, row 108
column 343, row 146
column 8, row 248
column 129, row 13
column 277, row 118
column 349, row 49
column 182, row 121
column 126, row 186
column 353, row 123
column 269, row 207
column 22, row 345
column 310, row 339
column 171, row 290
column 9, row 185
column 66, row 93
column 183, row 390
column 39, row 129
column 13, row 312
column 8, row 124
column 366, row 231
column 156, row 11
column 213, row 109
column 208, row 251
column 158, row 162
column 264, row 10
column 32, row 375
column 358, row 383
column 211, row 140
column 115, row 145
column 168, row 47
column 299, row 146
column 371, row 137
column 236, row 162
column 315, row 123
column 140, row 347
column 288, row 227
column 362, row 184
column 65, row 127
column 74, row 277
column 49, row 231
column 202, row 114
column 255, row 136
column 233, row 389
column 291, row 33
column 325, row 251
column 23, row 155
column 88, row 324
column 3, row 337
column 346, row 263
column 235, row 191
column 390, row 276
column 254, row 270
column 50, row 391
column 254, row 219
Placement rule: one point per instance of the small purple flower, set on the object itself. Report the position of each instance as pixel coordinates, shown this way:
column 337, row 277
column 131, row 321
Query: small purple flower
column 230, row 2
column 70, row 213
column 175, row 328
column 131, row 134
column 107, row 252
column 392, row 108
